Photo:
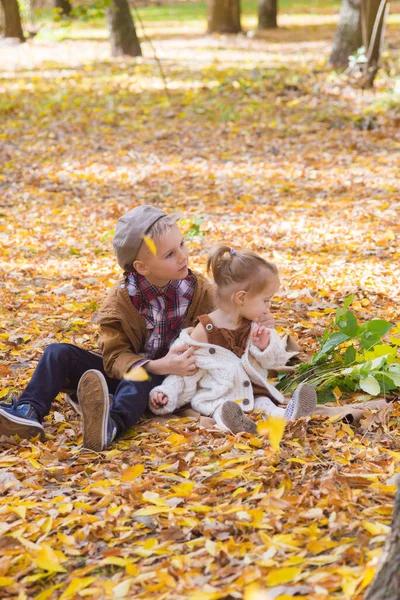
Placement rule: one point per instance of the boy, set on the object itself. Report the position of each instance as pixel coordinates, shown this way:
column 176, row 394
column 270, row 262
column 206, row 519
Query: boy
column 144, row 312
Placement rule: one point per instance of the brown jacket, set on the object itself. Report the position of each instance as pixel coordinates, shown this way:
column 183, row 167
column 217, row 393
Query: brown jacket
column 123, row 329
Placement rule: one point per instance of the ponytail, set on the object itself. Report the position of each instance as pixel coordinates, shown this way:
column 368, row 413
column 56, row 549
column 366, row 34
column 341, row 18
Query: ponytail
column 245, row 270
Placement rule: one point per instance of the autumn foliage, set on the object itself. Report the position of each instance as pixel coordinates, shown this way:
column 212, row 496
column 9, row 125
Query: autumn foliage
column 260, row 146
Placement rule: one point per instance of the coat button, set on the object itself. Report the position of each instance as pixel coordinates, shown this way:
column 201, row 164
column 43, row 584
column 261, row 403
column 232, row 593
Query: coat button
column 246, row 401
column 212, row 350
column 246, row 383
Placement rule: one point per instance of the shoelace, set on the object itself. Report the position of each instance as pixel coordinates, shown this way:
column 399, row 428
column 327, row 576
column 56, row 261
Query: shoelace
column 14, row 403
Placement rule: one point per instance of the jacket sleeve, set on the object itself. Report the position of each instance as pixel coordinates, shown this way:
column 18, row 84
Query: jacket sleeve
column 179, row 391
column 274, row 356
column 118, row 353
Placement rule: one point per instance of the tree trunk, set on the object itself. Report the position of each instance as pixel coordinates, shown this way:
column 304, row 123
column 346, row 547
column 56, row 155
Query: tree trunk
column 267, row 14
column 386, row 584
column 12, row 20
column 348, row 34
column 373, row 20
column 64, row 7
column 122, row 29
column 224, row 16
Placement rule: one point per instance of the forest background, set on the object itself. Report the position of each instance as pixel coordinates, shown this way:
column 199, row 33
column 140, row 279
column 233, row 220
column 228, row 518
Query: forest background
column 261, row 144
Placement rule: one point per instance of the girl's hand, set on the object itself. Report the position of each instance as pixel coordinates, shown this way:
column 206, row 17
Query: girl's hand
column 158, row 399
column 267, row 320
column 260, row 336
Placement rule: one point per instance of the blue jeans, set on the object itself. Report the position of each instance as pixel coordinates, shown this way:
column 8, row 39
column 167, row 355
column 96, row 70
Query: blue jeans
column 61, row 367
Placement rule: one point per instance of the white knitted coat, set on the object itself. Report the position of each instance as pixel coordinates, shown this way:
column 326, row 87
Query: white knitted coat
column 222, row 376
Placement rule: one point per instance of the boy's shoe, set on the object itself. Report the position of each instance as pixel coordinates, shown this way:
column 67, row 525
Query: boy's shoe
column 99, row 429
column 303, row 402
column 70, row 399
column 21, row 420
column 235, row 419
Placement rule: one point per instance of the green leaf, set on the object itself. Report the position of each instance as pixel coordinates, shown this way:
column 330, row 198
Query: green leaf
column 378, row 327
column 370, row 385
column 348, row 301
column 350, row 355
column 334, row 340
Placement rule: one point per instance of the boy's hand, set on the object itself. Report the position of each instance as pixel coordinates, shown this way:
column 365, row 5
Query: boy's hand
column 267, row 320
column 178, row 361
column 260, row 336
column 158, row 399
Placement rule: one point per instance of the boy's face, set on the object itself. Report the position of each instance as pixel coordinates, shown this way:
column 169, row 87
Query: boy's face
column 170, row 262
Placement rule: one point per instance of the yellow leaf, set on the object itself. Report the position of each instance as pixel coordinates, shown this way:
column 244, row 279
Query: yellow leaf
column 369, row 574
column 121, row 589
column 137, row 374
column 48, row 560
column 118, row 561
column 6, row 581
column 18, row 510
column 76, row 586
column 150, row 244
column 337, row 393
column 154, row 498
column 132, row 473
column 47, row 594
column 183, row 489
column 376, row 528
column 151, row 510
column 211, row 547
column 176, row 439
column 280, row 576
column 274, row 426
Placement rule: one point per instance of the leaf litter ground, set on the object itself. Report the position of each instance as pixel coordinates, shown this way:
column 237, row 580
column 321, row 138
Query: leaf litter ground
column 261, row 147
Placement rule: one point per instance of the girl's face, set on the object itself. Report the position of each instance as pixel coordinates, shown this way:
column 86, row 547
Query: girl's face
column 253, row 307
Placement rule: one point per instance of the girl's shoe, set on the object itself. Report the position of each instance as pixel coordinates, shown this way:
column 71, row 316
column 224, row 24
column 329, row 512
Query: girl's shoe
column 303, row 402
column 235, row 419
column 21, row 420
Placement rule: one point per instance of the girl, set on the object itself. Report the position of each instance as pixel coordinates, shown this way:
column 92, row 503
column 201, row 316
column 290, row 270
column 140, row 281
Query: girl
column 233, row 354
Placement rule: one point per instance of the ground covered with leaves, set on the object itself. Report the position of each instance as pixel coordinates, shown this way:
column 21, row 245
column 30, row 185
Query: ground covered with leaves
column 259, row 145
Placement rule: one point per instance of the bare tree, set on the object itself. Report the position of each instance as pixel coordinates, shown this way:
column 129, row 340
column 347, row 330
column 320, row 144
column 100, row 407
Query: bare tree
column 12, row 20
column 386, row 584
column 348, row 37
column 64, row 7
column 122, row 29
column 373, row 21
column 224, row 16
column 267, row 14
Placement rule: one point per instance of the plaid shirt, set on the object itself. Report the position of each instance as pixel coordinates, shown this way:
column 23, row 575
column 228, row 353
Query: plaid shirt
column 164, row 310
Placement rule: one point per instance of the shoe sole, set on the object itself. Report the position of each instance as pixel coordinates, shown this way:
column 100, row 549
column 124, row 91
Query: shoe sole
column 234, row 418
column 93, row 399
column 304, row 401
column 11, row 425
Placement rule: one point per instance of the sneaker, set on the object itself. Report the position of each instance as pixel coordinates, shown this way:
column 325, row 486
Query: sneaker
column 21, row 420
column 303, row 402
column 72, row 400
column 99, row 429
column 235, row 419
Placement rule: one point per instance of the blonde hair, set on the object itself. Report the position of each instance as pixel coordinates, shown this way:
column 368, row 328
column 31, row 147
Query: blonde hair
column 163, row 225
column 233, row 271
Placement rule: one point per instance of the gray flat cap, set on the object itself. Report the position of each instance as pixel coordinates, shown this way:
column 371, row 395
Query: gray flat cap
column 129, row 232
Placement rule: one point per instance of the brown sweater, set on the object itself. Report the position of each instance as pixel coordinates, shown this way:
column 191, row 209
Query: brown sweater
column 123, row 329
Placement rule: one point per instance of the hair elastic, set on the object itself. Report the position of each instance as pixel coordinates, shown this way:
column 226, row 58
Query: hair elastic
column 232, row 252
